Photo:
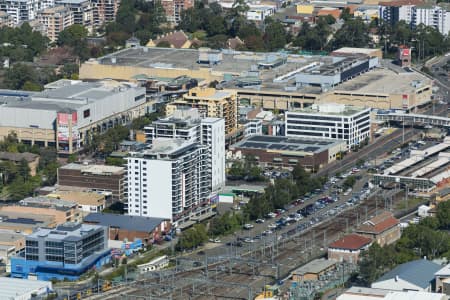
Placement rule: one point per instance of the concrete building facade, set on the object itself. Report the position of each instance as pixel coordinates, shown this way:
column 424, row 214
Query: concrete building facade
column 99, row 178
column 330, row 121
column 188, row 125
column 55, row 19
column 68, row 113
column 210, row 103
column 65, row 252
column 169, row 180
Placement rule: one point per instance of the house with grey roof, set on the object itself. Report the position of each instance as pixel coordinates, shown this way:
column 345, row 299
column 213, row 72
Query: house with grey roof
column 417, row 275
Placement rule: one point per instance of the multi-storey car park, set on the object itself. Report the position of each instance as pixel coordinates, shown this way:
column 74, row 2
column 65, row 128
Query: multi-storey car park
column 275, row 80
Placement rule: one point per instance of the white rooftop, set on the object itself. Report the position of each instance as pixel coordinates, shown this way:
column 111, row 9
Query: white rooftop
column 363, row 293
column 10, row 288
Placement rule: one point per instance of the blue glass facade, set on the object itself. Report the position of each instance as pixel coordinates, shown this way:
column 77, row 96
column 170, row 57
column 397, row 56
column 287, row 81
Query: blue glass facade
column 62, row 253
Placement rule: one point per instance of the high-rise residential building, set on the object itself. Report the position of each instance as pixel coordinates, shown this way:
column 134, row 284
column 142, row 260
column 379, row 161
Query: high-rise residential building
column 210, row 103
column 24, row 10
column 169, row 180
column 62, row 253
column 174, row 8
column 436, row 16
column 330, row 121
column 188, row 125
column 105, row 11
column 55, row 20
column 416, row 12
column 83, row 12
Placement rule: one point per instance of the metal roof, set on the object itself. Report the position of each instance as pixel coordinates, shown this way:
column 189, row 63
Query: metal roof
column 14, row 287
column 418, row 272
column 134, row 223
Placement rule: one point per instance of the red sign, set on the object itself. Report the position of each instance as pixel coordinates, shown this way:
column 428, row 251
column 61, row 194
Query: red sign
column 63, row 118
column 405, row 52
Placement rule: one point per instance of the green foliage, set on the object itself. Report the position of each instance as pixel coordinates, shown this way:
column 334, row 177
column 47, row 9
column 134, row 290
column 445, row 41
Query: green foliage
column 72, row 35
column 115, row 208
column 247, row 170
column 282, row 192
column 417, row 241
column 443, row 215
column 139, row 17
column 25, row 77
column 314, row 38
column 275, row 36
column 354, row 33
column 115, row 161
column 22, row 43
column 72, row 158
column 109, row 141
column 163, row 44
column 70, row 71
column 140, row 122
column 349, row 182
column 192, row 238
column 226, row 223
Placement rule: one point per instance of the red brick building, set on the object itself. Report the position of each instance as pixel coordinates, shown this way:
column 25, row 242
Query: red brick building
column 348, row 248
column 383, row 229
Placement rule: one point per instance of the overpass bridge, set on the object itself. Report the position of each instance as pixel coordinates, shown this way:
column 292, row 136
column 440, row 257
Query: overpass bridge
column 416, row 119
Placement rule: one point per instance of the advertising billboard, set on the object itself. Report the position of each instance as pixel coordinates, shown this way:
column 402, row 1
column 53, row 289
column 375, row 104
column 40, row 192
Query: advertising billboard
column 63, row 121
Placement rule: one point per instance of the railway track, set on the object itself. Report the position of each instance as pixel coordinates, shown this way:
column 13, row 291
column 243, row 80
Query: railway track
column 244, row 276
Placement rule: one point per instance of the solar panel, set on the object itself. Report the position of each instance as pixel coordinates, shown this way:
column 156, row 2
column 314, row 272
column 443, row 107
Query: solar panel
column 311, row 149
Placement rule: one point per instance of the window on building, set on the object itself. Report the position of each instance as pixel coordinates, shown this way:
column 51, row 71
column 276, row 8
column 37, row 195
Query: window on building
column 86, row 113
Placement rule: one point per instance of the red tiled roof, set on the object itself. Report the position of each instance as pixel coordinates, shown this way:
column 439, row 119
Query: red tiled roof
column 351, row 242
column 379, row 224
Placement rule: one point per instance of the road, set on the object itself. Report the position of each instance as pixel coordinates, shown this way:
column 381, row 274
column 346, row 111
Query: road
column 240, row 271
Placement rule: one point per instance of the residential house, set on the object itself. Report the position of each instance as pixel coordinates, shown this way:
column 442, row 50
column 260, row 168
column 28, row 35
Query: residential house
column 30, row 158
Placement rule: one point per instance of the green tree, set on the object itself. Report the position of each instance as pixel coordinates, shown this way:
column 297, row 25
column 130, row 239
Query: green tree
column 275, row 36
column 72, row 35
column 354, row 33
column 23, row 169
column 346, row 15
column 349, row 182
column 443, row 215
column 163, row 44
column 18, row 75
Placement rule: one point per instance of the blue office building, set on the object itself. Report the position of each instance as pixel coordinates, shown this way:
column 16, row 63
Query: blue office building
column 65, row 252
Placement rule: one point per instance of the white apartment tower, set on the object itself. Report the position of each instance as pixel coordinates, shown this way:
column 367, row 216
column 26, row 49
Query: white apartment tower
column 330, row 121
column 167, row 180
column 188, row 125
column 434, row 16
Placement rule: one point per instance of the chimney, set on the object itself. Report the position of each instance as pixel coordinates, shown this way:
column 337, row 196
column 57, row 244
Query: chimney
column 396, row 278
